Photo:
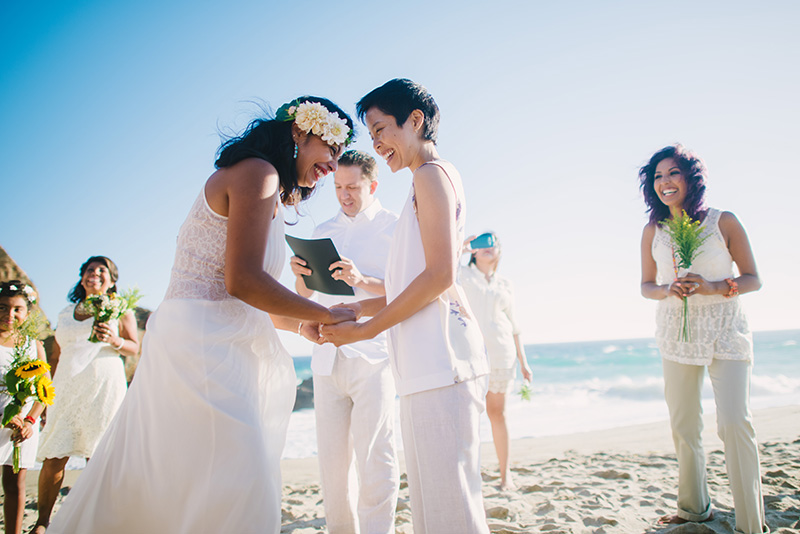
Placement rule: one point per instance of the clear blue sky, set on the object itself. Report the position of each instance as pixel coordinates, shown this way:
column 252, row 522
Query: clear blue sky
column 111, row 113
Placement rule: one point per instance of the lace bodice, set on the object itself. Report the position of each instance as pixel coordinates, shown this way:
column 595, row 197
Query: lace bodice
column 199, row 268
column 717, row 325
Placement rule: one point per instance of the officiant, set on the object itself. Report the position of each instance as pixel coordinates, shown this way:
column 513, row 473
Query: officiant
column 354, row 391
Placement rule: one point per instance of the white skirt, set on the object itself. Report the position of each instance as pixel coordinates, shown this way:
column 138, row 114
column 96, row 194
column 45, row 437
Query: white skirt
column 196, row 445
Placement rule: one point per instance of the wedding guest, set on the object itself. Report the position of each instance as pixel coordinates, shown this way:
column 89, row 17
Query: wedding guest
column 196, row 446
column 16, row 299
column 353, row 387
column 491, row 299
column 435, row 344
column 89, row 379
column 719, row 339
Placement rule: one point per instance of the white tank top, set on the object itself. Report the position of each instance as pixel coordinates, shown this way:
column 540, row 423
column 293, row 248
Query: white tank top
column 441, row 344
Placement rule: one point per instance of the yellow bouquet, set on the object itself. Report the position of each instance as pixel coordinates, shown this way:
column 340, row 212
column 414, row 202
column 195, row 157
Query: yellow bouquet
column 26, row 377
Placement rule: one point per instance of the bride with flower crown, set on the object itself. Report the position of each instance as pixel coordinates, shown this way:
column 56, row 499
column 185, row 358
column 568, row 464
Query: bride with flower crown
column 196, row 445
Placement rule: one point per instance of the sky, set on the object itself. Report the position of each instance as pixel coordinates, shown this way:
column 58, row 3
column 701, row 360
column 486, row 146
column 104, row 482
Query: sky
column 112, row 113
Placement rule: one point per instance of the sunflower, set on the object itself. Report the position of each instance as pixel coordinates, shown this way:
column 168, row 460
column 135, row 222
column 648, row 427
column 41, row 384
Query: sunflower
column 45, row 391
column 32, row 369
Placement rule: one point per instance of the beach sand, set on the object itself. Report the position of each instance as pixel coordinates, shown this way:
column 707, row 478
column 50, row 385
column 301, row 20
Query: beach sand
column 611, row 481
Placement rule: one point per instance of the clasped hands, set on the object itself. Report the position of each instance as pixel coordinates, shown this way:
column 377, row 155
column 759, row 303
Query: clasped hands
column 19, row 430
column 340, row 330
column 691, row 284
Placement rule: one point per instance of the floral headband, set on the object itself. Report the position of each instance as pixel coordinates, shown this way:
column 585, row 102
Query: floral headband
column 313, row 117
column 30, row 294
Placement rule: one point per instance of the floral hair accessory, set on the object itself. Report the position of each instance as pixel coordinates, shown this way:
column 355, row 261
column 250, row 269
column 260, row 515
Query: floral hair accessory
column 27, row 291
column 313, row 117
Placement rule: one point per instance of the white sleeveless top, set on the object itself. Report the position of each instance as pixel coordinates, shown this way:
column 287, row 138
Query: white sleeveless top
column 441, row 344
column 199, row 268
column 717, row 325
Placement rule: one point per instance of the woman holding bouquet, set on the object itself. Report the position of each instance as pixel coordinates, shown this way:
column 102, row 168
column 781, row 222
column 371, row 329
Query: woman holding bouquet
column 22, row 431
column 89, row 378
column 717, row 338
column 197, row 443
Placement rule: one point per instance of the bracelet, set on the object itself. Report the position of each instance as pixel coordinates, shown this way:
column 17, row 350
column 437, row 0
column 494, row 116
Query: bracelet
column 299, row 327
column 30, row 419
column 733, row 288
column 121, row 344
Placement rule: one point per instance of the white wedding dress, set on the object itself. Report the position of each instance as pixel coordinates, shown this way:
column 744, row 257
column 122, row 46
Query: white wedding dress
column 196, row 445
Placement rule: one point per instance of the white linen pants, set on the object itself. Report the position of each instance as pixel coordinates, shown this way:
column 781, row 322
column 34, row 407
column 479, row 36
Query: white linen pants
column 441, row 439
column 731, row 382
column 355, row 417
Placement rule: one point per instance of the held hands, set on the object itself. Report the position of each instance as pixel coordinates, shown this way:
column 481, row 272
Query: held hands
column 339, row 313
column 343, row 333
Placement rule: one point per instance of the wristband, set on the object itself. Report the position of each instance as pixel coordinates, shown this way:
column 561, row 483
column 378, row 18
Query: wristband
column 733, row 288
column 299, row 327
column 30, row 419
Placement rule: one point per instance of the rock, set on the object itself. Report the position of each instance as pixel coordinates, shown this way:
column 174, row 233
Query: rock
column 305, row 395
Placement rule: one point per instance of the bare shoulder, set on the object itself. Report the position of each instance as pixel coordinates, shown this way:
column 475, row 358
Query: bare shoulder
column 429, row 171
column 649, row 231
column 249, row 178
column 728, row 220
column 251, row 175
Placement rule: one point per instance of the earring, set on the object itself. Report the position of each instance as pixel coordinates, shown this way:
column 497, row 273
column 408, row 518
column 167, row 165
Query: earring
column 295, row 151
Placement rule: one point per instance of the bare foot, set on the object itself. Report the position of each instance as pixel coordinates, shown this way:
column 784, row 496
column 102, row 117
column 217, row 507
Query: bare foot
column 676, row 520
column 507, row 485
column 39, row 529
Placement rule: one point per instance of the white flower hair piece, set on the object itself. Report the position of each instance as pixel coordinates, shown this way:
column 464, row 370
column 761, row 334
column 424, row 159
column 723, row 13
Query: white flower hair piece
column 313, row 117
column 28, row 291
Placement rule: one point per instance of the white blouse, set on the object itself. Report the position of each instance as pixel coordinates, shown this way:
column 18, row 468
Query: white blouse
column 492, row 302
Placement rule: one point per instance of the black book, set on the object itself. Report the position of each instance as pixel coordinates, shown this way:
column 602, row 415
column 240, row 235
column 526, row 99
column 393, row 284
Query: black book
column 319, row 254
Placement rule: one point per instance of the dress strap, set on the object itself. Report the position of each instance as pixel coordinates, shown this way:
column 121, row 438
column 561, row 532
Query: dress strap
column 436, row 162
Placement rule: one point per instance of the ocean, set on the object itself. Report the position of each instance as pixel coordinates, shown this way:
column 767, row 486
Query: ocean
column 594, row 385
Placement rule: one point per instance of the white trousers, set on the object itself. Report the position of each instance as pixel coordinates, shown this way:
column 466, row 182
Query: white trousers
column 442, row 448
column 355, row 421
column 731, row 382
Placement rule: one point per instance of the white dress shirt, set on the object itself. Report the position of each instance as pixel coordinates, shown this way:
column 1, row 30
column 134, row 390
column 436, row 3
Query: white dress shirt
column 365, row 239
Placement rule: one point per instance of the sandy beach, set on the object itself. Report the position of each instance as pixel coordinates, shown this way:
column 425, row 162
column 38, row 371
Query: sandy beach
column 611, row 481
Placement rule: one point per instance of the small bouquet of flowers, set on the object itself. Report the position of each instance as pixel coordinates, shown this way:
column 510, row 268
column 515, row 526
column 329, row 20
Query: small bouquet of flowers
column 105, row 308
column 686, row 241
column 26, row 377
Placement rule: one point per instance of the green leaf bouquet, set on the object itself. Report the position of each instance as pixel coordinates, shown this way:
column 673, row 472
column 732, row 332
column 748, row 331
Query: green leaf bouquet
column 686, row 236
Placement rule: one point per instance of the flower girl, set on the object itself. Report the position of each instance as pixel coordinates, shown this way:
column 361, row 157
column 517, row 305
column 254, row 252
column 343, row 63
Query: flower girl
column 21, row 434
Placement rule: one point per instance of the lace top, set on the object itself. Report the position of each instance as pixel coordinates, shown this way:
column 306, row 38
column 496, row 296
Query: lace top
column 717, row 325
column 199, row 268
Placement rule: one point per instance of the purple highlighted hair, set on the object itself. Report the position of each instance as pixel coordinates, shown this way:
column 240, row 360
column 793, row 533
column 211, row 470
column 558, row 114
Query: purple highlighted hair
column 694, row 172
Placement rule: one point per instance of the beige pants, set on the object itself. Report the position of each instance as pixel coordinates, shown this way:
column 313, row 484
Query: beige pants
column 731, row 383
column 355, row 420
column 442, row 449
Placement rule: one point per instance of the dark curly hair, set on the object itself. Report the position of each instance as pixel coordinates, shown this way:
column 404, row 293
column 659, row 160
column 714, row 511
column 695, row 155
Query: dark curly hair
column 78, row 293
column 694, row 172
column 271, row 140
